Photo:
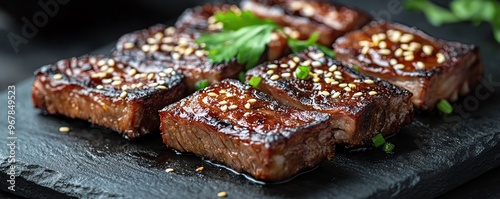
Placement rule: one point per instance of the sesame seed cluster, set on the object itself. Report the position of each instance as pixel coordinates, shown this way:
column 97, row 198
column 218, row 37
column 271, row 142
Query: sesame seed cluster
column 230, row 99
column 401, row 50
column 108, row 74
column 328, row 79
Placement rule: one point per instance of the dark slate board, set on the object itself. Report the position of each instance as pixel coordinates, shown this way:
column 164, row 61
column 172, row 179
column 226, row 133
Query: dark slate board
column 434, row 154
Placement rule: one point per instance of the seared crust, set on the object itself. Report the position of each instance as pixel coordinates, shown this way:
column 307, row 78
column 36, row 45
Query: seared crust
column 308, row 16
column 361, row 107
column 176, row 49
column 245, row 129
column 430, row 68
column 106, row 92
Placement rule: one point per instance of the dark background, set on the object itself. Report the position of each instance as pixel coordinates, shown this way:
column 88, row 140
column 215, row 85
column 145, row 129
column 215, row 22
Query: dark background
column 79, row 27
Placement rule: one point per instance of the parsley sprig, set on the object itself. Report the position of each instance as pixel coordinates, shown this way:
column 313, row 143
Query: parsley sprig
column 475, row 11
column 245, row 38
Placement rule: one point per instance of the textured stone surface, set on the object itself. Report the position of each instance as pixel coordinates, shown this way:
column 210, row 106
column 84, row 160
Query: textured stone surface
column 433, row 155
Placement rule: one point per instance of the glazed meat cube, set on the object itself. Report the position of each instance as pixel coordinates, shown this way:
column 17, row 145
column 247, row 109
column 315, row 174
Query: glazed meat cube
column 178, row 50
column 430, row 68
column 302, row 18
column 360, row 107
column 118, row 94
column 245, row 129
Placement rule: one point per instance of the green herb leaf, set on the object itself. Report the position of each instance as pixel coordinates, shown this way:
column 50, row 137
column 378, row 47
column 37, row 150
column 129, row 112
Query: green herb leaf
column 445, row 107
column 388, row 147
column 355, row 67
column 235, row 21
column 302, row 72
column 378, row 140
column 201, row 84
column 299, row 45
column 242, row 76
column 435, row 14
column 255, row 81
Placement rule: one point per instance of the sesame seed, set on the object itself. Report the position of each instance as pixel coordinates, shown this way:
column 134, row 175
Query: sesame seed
column 329, row 74
column 320, row 55
column 212, row 94
column 270, row 72
column 284, row 65
column 316, row 63
column 128, row 45
column 306, row 63
column 275, row 77
column 372, row 93
column 335, row 83
column 154, row 48
column 308, row 10
column 223, row 102
column 393, row 61
column 101, row 62
column 124, row 87
column 427, row 49
column 405, row 38
column 292, row 64
column 384, row 51
column 222, row 91
column 100, row 87
column 159, row 35
column 232, row 107
column 107, row 81
column 64, row 129
column 169, row 170
column 189, row 51
column 405, row 46
column 357, row 94
column 406, row 53
column 382, row 36
column 440, row 58
column 167, row 40
column 116, row 78
column 116, row 83
column 332, row 68
column 223, row 108
column 272, row 66
column 365, row 50
column 166, row 48
column 337, row 73
column 140, row 84
column 152, row 40
column 123, row 94
column 414, row 46
column 110, row 70
column 325, row 93
column 336, row 95
column 222, row 194
column 151, row 76
column 382, row 45
column 145, row 48
column 58, row 76
column 395, row 36
column 248, row 106
column 351, row 85
column 368, row 81
column 285, row 75
column 200, row 169
column 399, row 66
column 199, row 53
column 338, row 77
column 162, row 74
column 316, row 79
column 176, row 56
column 364, row 43
column 420, row 65
column 170, row 30
column 398, row 52
column 375, row 39
column 153, row 84
column 104, row 68
column 318, row 71
column 296, row 59
column 132, row 72
column 169, row 70
column 409, row 58
column 343, row 85
column 347, row 89
column 329, row 80
column 162, row 87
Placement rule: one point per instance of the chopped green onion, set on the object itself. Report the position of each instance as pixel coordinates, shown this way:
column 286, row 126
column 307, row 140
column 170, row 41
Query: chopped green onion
column 201, row 84
column 445, row 107
column 255, row 81
column 378, row 140
column 302, row 72
column 242, row 76
column 388, row 147
column 355, row 67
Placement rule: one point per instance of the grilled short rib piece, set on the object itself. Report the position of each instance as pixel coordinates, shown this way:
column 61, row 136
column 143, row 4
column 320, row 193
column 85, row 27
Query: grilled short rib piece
column 178, row 50
column 201, row 19
column 430, row 68
column 360, row 107
column 302, row 18
column 247, row 130
column 116, row 93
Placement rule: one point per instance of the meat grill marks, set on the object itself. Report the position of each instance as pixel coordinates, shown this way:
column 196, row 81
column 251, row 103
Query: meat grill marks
column 430, row 68
column 360, row 107
column 116, row 93
column 247, row 130
column 176, row 49
column 201, row 19
column 302, row 18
